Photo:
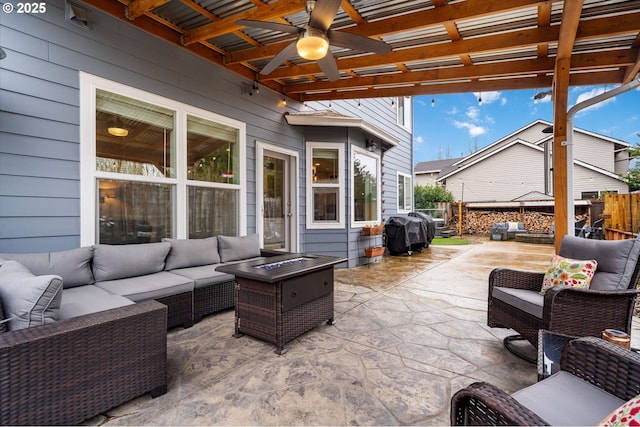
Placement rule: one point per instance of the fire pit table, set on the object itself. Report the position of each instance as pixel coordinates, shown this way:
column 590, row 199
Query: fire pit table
column 281, row 298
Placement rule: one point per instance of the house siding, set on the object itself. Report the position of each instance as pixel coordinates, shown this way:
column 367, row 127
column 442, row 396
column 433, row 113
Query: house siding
column 595, row 151
column 40, row 120
column 586, row 180
column 501, row 177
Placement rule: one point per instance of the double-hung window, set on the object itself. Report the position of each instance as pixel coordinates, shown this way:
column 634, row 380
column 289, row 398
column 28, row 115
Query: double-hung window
column 405, row 189
column 366, row 206
column 325, row 185
column 155, row 168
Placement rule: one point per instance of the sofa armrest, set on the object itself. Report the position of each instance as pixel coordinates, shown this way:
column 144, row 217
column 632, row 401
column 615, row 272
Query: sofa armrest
column 517, row 279
column 484, row 404
column 586, row 312
column 73, row 369
column 610, row 367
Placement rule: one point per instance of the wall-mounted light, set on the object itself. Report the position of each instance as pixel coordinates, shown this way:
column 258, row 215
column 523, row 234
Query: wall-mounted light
column 116, row 128
column 542, row 95
column 371, row 145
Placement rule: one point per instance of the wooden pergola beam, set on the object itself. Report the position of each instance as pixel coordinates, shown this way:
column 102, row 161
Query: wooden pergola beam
column 561, row 80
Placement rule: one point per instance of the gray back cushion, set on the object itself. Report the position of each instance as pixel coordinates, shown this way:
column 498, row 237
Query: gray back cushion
column 28, row 300
column 616, row 259
column 111, row 262
column 74, row 266
column 237, row 248
column 192, row 252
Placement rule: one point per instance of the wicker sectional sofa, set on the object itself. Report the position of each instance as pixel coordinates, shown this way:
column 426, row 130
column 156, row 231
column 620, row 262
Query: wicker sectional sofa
column 84, row 330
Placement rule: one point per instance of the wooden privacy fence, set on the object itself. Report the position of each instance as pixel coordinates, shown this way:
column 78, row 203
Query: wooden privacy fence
column 621, row 216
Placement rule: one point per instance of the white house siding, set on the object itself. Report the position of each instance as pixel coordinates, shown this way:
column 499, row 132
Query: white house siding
column 587, row 180
column 40, row 118
column 595, row 151
column 503, row 176
column 428, row 178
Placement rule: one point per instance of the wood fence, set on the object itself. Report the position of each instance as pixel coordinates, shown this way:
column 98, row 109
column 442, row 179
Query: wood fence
column 621, row 216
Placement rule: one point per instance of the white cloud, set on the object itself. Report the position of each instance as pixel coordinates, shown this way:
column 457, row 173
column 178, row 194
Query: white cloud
column 473, row 113
column 488, row 97
column 420, row 101
column 503, row 101
column 453, row 111
column 472, row 129
column 590, row 94
column 419, row 139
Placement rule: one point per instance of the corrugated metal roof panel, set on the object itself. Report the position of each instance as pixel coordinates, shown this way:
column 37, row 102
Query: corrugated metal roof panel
column 499, row 23
column 374, row 10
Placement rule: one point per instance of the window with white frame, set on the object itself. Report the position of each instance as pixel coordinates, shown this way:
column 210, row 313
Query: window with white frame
column 405, row 112
column 325, row 185
column 405, row 190
column 365, row 187
column 154, row 168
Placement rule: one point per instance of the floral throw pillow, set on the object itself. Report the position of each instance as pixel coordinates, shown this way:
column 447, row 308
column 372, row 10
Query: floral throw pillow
column 628, row 414
column 569, row 272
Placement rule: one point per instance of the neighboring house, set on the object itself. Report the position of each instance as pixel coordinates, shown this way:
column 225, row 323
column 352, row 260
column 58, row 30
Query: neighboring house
column 111, row 135
column 426, row 173
column 515, row 166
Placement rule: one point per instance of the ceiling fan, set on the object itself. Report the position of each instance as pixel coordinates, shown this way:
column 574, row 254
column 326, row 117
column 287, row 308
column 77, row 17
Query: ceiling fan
column 314, row 39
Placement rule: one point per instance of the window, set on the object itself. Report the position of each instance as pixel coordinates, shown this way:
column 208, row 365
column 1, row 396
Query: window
column 365, row 187
column 325, row 184
column 589, row 195
column 405, row 190
column 153, row 167
column 404, row 114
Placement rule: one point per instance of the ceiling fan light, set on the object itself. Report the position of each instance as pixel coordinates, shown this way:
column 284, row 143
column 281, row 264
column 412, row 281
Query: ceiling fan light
column 312, row 45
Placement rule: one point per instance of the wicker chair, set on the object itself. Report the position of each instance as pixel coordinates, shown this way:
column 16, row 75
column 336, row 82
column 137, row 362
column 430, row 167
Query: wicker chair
column 515, row 303
column 606, row 366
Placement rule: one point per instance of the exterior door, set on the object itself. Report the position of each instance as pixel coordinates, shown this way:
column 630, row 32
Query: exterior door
column 277, row 209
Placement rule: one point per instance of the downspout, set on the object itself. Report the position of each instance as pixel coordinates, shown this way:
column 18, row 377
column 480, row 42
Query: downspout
column 569, row 143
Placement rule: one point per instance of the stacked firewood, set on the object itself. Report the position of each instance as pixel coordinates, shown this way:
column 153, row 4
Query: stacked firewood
column 480, row 222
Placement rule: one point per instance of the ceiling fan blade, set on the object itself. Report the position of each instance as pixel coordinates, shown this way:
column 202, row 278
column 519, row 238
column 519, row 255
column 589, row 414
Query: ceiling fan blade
column 329, row 67
column 282, row 56
column 323, row 14
column 273, row 26
column 357, row 42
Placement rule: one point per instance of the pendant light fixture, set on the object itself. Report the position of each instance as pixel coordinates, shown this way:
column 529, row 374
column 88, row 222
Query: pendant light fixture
column 116, row 128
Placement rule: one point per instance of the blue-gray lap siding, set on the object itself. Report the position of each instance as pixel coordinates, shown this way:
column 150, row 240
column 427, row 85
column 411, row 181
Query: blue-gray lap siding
column 40, row 120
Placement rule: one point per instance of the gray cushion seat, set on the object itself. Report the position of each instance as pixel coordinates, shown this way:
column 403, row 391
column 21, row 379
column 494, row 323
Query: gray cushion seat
column 204, row 275
column 566, row 400
column 149, row 286
column 530, row 302
column 88, row 299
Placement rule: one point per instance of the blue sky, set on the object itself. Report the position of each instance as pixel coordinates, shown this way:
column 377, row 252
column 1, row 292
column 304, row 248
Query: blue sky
column 456, row 125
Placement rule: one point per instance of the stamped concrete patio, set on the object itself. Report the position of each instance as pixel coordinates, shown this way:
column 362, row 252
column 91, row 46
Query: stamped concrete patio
column 410, row 331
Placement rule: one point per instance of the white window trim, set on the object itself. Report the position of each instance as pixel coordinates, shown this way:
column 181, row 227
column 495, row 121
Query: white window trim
column 340, row 185
column 406, row 103
column 89, row 176
column 378, row 220
column 408, row 188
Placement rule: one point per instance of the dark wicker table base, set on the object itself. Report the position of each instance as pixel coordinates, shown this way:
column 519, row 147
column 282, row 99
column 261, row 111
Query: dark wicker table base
column 260, row 311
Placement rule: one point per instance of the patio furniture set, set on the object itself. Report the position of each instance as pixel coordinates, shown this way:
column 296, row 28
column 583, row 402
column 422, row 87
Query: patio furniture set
column 598, row 381
column 85, row 330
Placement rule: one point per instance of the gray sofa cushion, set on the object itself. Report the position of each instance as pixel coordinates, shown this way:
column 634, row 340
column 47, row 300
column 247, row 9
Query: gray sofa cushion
column 74, row 266
column 89, row 299
column 112, row 262
column 616, row 259
column 150, row 286
column 204, row 275
column 566, row 400
column 191, row 252
column 28, row 300
column 528, row 301
column 237, row 248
